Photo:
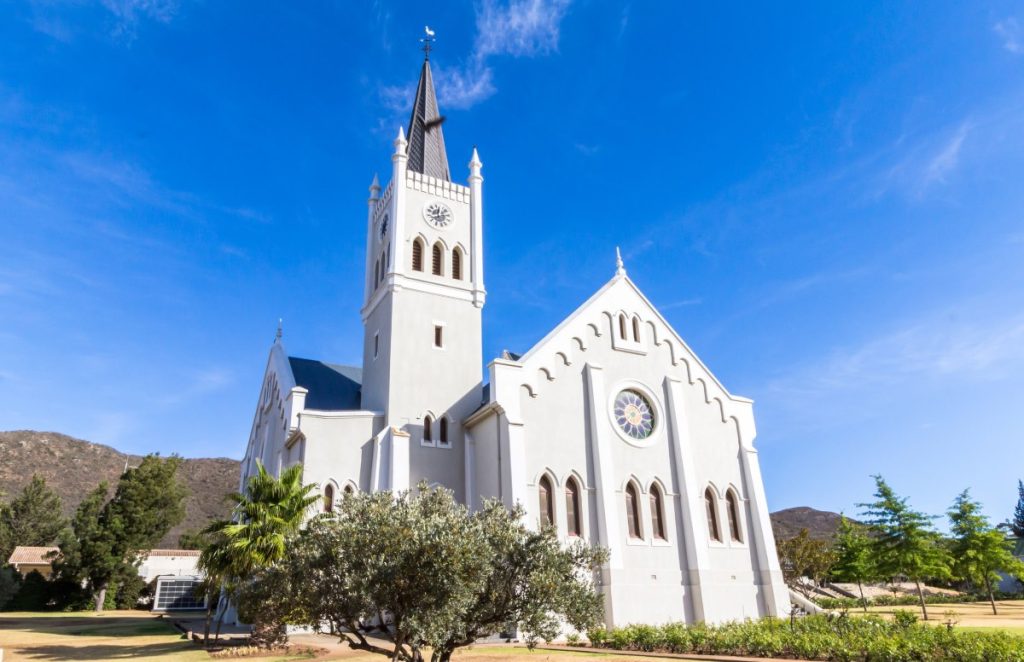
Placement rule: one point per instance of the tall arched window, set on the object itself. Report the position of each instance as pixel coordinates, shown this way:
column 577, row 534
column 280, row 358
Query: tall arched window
column 633, row 512
column 349, row 490
column 709, row 504
column 443, row 436
column 457, row 264
column 547, row 505
column 417, row 255
column 329, row 498
column 387, row 255
column 427, row 423
column 657, row 513
column 734, row 516
column 437, row 260
column 622, row 326
column 573, row 517
column 636, row 329
column 376, row 273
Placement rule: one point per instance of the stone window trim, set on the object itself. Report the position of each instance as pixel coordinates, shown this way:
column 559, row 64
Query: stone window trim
column 658, row 433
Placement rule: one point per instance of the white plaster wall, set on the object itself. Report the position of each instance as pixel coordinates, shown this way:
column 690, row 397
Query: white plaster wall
column 154, row 566
column 339, row 449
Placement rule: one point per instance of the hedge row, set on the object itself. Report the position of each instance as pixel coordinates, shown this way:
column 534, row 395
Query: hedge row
column 860, row 639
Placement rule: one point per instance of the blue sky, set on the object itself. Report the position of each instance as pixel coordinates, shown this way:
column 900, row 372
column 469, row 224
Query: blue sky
column 825, row 199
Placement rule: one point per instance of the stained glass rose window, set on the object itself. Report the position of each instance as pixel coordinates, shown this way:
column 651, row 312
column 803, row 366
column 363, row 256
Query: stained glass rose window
column 634, row 414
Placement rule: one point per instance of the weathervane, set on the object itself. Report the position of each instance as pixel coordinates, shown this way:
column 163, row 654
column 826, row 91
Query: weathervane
column 427, row 40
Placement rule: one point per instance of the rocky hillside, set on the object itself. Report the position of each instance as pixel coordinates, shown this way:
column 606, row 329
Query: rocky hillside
column 73, row 467
column 819, row 523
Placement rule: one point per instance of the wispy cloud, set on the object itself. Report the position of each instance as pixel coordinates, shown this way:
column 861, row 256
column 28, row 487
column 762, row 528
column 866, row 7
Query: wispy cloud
column 1009, row 31
column 53, row 20
column 947, row 157
column 931, row 347
column 197, row 383
column 519, row 28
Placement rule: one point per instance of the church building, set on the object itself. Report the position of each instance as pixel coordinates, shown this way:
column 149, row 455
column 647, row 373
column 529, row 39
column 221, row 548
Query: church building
column 610, row 429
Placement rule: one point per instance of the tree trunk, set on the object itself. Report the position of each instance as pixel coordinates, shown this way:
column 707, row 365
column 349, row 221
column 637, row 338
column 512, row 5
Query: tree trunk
column 220, row 619
column 920, row 595
column 991, row 596
column 209, row 619
column 863, row 602
column 100, row 598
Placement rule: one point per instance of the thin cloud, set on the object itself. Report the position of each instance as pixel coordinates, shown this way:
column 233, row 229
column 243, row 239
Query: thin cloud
column 947, row 158
column 129, row 13
column 1009, row 31
column 520, row 28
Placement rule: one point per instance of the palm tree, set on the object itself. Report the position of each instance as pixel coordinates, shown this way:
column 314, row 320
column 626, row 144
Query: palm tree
column 263, row 518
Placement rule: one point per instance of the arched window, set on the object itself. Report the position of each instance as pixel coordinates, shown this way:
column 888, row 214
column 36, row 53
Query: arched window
column 709, row 503
column 349, row 490
column 547, row 505
column 387, row 255
column 633, row 512
column 427, row 422
column 734, row 516
column 657, row 513
column 636, row 329
column 457, row 264
column 417, row 255
column 436, row 260
column 443, row 436
column 622, row 326
column 573, row 517
column 329, row 498
column 376, row 273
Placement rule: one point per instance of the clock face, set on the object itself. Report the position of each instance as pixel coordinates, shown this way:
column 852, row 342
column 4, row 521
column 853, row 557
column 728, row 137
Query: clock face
column 438, row 215
column 383, row 226
column 634, row 414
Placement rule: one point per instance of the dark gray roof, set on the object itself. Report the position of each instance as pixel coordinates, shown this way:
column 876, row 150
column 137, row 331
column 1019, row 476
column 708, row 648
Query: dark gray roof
column 331, row 387
column 426, row 140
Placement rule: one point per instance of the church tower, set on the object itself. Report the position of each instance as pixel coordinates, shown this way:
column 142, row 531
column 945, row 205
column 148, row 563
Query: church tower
column 422, row 347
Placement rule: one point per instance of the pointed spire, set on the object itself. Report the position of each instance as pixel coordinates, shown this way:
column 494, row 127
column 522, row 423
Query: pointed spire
column 620, row 269
column 277, row 336
column 426, row 140
column 474, row 162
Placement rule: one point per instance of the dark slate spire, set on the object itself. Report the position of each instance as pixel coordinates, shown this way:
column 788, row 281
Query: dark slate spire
column 426, row 140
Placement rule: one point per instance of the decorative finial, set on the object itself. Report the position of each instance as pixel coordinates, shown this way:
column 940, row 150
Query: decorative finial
column 620, row 269
column 279, row 333
column 427, row 40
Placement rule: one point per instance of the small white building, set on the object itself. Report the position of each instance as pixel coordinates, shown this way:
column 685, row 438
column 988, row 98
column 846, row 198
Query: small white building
column 609, row 428
column 155, row 563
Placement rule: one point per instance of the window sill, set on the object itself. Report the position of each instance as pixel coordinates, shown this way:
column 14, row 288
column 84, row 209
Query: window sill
column 636, row 542
column 661, row 542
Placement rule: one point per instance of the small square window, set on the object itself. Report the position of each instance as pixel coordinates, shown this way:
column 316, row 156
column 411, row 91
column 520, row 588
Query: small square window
column 438, row 336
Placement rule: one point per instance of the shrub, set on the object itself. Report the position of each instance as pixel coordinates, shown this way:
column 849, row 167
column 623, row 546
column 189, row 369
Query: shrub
column 598, row 637
column 903, row 618
column 33, row 594
column 572, row 639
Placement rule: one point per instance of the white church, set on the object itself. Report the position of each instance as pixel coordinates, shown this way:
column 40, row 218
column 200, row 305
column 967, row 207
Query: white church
column 609, row 428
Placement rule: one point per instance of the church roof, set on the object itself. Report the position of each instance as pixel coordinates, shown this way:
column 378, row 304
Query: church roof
column 426, row 140
column 331, row 387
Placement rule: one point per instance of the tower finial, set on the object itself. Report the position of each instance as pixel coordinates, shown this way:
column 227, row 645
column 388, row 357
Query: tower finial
column 277, row 336
column 620, row 269
column 427, row 40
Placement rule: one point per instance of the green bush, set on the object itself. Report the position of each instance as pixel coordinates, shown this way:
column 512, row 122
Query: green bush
column 33, row 594
column 823, row 637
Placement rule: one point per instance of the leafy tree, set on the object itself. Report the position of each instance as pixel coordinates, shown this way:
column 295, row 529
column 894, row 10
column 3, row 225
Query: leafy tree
column 417, row 569
column 1017, row 523
column 804, row 556
column 979, row 550
column 108, row 537
column 10, row 583
column 854, row 559
column 264, row 517
column 33, row 518
column 904, row 542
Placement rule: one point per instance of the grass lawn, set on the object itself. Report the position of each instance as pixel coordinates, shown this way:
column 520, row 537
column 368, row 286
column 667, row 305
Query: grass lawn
column 971, row 615
column 115, row 635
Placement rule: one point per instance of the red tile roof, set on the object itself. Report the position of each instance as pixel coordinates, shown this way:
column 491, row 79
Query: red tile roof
column 34, row 555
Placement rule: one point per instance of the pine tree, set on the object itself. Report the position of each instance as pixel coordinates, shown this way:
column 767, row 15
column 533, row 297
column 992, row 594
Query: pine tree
column 108, row 537
column 905, row 543
column 979, row 550
column 1017, row 523
column 33, row 518
column 854, row 560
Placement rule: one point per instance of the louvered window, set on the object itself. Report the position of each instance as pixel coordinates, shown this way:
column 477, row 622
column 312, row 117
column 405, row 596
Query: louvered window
column 734, row 516
column 436, row 260
column 417, row 255
column 709, row 504
column 657, row 513
column 547, row 506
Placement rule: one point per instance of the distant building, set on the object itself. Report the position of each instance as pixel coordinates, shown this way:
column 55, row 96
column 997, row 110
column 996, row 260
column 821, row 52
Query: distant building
column 156, row 563
column 610, row 428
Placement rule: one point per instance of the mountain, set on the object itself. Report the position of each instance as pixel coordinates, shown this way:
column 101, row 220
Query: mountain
column 72, row 467
column 819, row 523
